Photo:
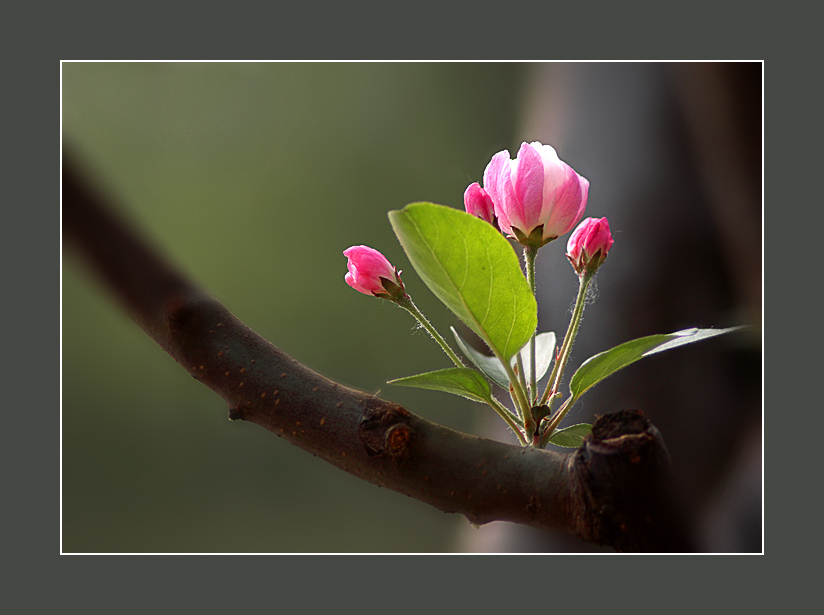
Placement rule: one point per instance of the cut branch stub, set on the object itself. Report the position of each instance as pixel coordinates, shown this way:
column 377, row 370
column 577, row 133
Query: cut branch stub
column 627, row 487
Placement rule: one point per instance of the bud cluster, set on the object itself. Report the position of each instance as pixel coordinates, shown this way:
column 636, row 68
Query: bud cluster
column 534, row 198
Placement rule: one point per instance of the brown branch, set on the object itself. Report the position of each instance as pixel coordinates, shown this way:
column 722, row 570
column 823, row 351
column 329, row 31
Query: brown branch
column 612, row 491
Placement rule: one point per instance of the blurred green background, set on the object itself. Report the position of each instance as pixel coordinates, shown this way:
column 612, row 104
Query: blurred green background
column 253, row 178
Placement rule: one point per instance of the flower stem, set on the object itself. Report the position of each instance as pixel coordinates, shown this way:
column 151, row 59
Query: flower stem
column 566, row 347
column 405, row 301
column 530, row 253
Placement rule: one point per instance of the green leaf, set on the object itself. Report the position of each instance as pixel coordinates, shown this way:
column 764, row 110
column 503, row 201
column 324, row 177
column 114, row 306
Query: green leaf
column 604, row 364
column 490, row 366
column 461, row 381
column 572, row 436
column 544, row 354
column 688, row 336
column 473, row 269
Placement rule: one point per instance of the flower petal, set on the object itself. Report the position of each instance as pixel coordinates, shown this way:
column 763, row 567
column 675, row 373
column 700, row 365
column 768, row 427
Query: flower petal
column 570, row 203
column 529, row 187
column 492, row 174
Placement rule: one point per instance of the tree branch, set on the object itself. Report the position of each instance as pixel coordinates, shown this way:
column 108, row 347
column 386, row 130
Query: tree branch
column 614, row 490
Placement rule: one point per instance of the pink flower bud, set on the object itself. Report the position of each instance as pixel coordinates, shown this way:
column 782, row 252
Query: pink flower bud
column 588, row 245
column 478, row 203
column 371, row 273
column 537, row 197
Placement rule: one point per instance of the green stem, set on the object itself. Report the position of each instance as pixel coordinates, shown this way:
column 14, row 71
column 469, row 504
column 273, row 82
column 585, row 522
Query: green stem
column 566, row 347
column 519, row 398
column 530, row 253
column 519, row 362
column 507, row 416
column 405, row 301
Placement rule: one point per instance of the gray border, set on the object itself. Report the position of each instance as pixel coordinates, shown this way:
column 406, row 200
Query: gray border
column 467, row 579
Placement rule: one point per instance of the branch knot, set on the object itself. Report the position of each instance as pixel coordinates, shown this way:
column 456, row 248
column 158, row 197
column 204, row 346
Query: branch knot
column 385, row 429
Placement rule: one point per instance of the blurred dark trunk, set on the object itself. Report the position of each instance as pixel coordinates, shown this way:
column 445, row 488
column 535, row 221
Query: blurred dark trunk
column 673, row 153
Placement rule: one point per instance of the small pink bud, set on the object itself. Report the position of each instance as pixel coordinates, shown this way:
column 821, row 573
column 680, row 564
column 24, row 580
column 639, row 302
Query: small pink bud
column 371, row 273
column 478, row 203
column 537, row 196
column 588, row 245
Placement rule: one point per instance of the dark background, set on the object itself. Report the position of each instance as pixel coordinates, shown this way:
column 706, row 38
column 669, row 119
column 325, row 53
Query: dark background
column 255, row 177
